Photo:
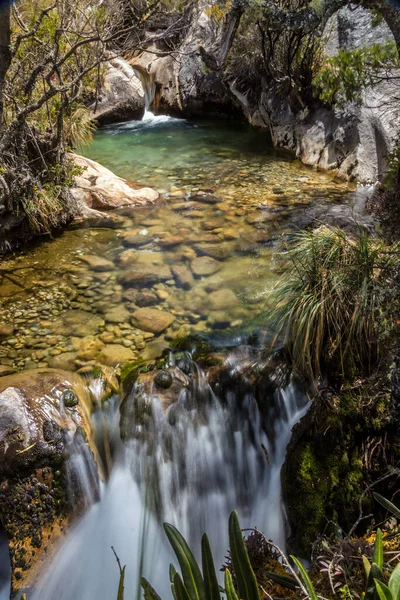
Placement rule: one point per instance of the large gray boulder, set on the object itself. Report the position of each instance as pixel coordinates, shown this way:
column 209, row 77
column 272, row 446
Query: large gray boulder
column 122, row 96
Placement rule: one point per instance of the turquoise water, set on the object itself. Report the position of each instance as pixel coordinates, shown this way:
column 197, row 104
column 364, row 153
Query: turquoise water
column 227, row 199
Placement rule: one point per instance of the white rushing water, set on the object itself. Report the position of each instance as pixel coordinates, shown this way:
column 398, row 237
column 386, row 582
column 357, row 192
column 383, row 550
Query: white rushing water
column 191, row 466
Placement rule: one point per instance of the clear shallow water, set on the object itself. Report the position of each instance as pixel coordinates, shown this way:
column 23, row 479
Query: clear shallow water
column 59, row 301
column 68, row 313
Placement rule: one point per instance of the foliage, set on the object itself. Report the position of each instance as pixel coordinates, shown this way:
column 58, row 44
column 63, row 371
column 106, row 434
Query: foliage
column 329, row 302
column 343, row 77
column 202, row 584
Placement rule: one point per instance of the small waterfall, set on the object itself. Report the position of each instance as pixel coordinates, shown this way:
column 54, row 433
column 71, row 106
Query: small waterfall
column 191, row 465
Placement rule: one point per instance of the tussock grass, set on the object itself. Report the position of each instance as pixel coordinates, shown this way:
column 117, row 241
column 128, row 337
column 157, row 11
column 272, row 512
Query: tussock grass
column 330, row 302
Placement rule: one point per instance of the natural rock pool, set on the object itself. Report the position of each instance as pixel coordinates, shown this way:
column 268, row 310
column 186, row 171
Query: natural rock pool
column 199, row 261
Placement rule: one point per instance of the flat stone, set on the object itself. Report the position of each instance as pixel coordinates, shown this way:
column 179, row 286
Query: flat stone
column 204, row 266
column 135, row 238
column 206, row 198
column 217, row 251
column 77, row 323
column 97, row 263
column 115, row 354
column 6, row 330
column 223, row 299
column 146, row 274
column 5, row 370
column 152, row 320
column 170, row 241
column 65, row 361
column 183, row 276
column 119, row 314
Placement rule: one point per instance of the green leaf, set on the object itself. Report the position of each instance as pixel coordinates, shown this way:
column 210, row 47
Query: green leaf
column 378, row 550
column 149, row 591
column 121, row 584
column 383, row 590
column 180, row 592
column 172, row 572
column 394, row 582
column 283, row 580
column 306, row 579
column 229, row 587
column 367, row 566
column 191, row 573
column 210, row 578
column 387, row 504
column 246, row 580
column 375, row 573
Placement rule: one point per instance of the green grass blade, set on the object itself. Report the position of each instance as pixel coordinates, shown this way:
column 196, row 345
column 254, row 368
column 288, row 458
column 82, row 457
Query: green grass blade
column 246, row 580
column 283, row 580
column 180, row 592
column 229, row 587
column 191, row 573
column 378, row 550
column 172, row 572
column 383, row 590
column 306, row 579
column 387, row 504
column 210, row 577
column 149, row 591
column 394, row 582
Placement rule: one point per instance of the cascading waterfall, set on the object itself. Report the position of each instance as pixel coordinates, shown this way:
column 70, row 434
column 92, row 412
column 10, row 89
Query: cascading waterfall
column 191, row 465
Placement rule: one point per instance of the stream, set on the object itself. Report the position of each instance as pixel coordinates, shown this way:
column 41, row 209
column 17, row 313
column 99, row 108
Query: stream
column 203, row 257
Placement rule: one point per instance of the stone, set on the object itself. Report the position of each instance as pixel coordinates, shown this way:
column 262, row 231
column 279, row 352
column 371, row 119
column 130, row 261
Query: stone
column 77, row 323
column 217, row 251
column 119, row 314
column 144, row 299
column 183, row 276
column 99, row 189
column 206, row 198
column 121, row 96
column 145, row 274
column 69, row 399
column 163, row 379
column 97, row 263
column 223, row 299
column 116, row 354
column 65, row 361
column 6, row 330
column 204, row 266
column 152, row 320
column 170, row 241
column 135, row 238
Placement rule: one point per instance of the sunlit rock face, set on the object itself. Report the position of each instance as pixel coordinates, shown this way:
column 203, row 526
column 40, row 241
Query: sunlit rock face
column 44, row 415
column 121, row 97
column 353, row 141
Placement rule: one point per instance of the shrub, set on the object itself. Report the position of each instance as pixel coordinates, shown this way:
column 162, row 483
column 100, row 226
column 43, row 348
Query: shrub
column 330, row 302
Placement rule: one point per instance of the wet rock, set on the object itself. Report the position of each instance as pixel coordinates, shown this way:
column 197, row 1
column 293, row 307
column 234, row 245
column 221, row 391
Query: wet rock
column 115, row 354
column 134, row 238
column 145, row 299
column 204, row 266
column 65, row 361
column 170, row 241
column 163, row 379
column 223, row 299
column 6, row 370
column 206, row 198
column 183, row 276
column 6, row 330
column 28, row 401
column 119, row 314
column 217, row 251
column 77, row 323
column 97, row 263
column 69, row 399
column 152, row 320
column 145, row 275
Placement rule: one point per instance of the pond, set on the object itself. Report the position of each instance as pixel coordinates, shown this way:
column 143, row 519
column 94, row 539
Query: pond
column 202, row 257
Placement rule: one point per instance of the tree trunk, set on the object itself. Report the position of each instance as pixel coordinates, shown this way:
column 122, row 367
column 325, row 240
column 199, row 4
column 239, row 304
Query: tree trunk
column 5, row 34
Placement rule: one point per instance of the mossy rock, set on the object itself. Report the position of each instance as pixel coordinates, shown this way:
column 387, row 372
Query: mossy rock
column 326, row 469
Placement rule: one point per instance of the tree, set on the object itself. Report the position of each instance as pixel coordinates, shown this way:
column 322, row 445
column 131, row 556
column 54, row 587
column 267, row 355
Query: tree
column 5, row 35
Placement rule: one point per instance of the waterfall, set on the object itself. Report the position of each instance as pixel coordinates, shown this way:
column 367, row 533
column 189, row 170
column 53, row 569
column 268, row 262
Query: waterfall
column 191, row 465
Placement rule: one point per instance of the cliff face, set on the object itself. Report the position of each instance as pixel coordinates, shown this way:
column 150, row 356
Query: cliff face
column 354, row 141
